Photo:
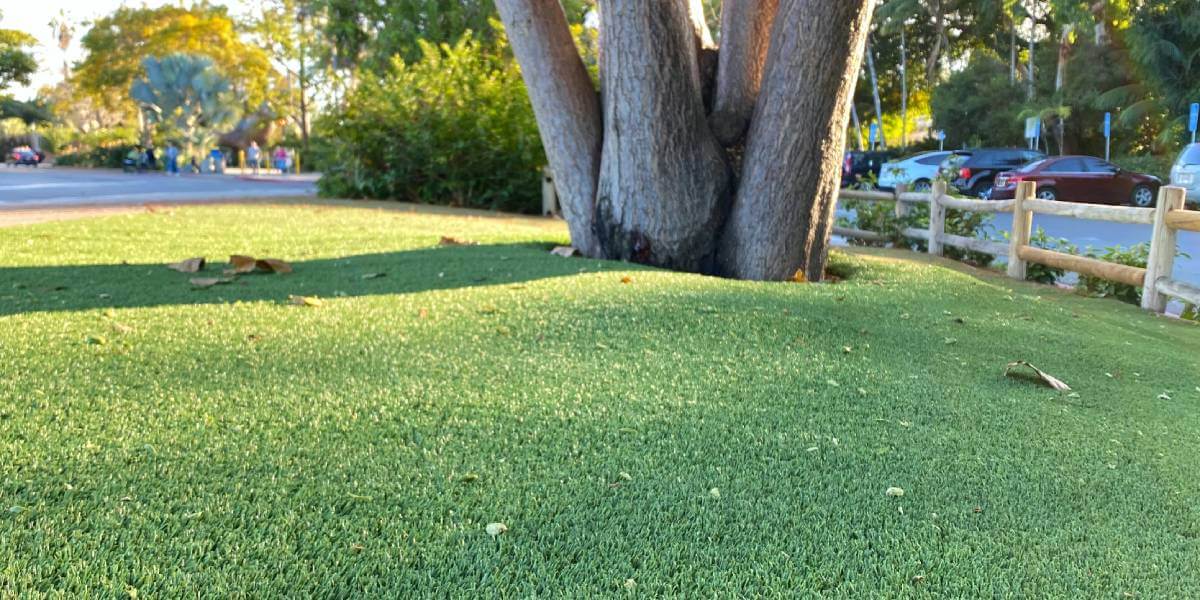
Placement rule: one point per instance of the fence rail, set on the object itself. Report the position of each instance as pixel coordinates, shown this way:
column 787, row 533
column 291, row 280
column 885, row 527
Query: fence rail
column 1167, row 219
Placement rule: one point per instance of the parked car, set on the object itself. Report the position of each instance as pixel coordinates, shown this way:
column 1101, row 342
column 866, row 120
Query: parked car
column 973, row 172
column 1081, row 179
column 917, row 171
column 859, row 167
column 1185, row 173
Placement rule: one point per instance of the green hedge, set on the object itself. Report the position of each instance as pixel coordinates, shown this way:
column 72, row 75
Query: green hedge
column 453, row 128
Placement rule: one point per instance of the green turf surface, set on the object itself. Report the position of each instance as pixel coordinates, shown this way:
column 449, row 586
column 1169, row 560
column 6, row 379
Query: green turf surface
column 669, row 435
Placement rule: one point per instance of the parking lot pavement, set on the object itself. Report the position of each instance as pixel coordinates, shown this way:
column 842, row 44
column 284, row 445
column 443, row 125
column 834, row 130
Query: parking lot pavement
column 22, row 187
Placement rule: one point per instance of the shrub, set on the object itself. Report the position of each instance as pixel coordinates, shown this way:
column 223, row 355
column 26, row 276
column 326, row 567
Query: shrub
column 454, row 127
column 1134, row 256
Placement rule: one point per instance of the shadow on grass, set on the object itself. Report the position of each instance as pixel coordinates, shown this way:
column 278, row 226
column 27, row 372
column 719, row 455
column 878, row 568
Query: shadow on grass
column 81, row 287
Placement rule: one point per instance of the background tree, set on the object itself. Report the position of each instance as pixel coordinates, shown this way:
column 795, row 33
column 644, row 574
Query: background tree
column 17, row 64
column 116, row 45
column 645, row 178
column 186, row 99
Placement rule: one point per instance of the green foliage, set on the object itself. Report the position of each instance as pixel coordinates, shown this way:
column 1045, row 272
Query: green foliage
column 187, row 98
column 1039, row 272
column 17, row 64
column 117, row 44
column 454, row 127
column 976, row 106
column 880, row 217
column 1134, row 256
column 222, row 443
column 1158, row 165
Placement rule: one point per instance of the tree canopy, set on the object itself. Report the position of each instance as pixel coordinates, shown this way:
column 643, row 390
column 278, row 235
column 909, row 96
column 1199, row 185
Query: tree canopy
column 17, row 64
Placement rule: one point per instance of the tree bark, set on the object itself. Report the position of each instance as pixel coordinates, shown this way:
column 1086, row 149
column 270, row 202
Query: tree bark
column 783, row 215
column 745, row 37
column 664, row 185
column 567, row 108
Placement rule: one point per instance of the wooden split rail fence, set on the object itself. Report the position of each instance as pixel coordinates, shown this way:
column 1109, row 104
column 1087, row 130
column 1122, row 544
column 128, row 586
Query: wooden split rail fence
column 1167, row 218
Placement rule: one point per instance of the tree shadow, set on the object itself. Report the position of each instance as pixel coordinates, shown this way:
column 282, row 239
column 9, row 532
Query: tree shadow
column 81, row 287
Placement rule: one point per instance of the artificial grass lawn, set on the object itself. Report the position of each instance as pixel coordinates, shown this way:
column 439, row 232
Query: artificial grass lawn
column 669, row 435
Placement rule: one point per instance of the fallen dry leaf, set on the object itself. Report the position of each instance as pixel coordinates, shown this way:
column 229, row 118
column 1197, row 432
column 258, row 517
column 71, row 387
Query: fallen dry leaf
column 305, row 301
column 564, row 251
column 203, row 282
column 626, row 279
column 495, row 529
column 895, row 492
column 190, row 265
column 453, row 241
column 274, row 265
column 241, row 263
column 373, row 275
column 1049, row 379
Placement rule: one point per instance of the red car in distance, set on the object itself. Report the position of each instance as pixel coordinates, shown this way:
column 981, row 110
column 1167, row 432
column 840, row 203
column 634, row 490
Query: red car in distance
column 1080, row 179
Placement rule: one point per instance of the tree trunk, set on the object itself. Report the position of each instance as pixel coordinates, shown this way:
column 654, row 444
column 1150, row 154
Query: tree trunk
column 567, row 108
column 935, row 55
column 781, row 221
column 875, row 92
column 745, row 36
column 642, row 175
column 903, row 92
column 664, row 185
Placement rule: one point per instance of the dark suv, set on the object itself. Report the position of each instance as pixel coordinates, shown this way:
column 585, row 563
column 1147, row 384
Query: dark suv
column 973, row 172
column 858, row 164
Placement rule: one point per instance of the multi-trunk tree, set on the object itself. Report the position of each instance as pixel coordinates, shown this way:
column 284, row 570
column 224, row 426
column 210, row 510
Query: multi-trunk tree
column 721, row 160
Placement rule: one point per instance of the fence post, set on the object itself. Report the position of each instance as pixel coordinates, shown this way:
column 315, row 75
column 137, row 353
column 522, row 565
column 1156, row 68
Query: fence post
column 937, row 217
column 1022, row 227
column 549, row 194
column 901, row 207
column 1162, row 248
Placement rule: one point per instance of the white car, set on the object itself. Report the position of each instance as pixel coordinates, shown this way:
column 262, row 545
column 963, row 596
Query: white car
column 918, row 171
column 1185, row 173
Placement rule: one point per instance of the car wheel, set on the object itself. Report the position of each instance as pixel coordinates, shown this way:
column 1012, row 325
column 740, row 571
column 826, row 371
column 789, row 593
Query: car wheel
column 922, row 186
column 1143, row 196
column 982, row 190
column 1047, row 193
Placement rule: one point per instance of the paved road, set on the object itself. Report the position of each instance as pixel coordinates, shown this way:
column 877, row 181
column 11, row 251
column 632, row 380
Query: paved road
column 25, row 187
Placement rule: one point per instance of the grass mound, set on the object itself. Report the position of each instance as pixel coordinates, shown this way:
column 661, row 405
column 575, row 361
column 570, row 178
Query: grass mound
column 637, row 431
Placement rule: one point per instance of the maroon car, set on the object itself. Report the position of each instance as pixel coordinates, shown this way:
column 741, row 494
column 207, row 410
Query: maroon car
column 1080, row 179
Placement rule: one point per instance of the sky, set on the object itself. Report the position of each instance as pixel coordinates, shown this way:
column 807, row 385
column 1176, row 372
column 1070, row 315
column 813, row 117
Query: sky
column 34, row 16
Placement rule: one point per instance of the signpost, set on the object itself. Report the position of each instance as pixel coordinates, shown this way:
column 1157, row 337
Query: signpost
column 1107, row 134
column 941, row 138
column 873, row 134
column 1033, row 131
column 1193, row 118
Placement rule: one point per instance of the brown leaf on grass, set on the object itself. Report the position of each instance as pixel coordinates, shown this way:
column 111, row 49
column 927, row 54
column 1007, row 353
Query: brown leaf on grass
column 273, row 265
column 241, row 263
column 373, row 275
column 565, row 251
column 312, row 301
column 626, row 279
column 453, row 241
column 204, row 282
column 1045, row 377
column 190, row 265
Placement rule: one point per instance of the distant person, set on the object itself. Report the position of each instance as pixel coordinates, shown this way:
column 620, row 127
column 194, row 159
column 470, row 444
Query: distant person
column 151, row 160
column 133, row 159
column 194, row 166
column 218, row 160
column 252, row 155
column 281, row 158
column 172, row 159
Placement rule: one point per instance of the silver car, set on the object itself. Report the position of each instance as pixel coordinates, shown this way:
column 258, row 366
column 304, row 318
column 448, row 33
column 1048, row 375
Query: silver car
column 1185, row 173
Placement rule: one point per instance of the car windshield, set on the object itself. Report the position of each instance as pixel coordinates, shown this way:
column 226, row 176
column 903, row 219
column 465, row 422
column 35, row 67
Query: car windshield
column 1190, row 155
column 1031, row 166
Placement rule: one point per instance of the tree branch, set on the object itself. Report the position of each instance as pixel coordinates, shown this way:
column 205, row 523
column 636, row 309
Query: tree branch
column 566, row 106
column 745, row 37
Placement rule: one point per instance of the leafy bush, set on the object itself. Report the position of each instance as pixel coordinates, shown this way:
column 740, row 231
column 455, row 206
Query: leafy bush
column 1134, row 256
column 109, row 157
column 1158, row 166
column 455, row 128
column 881, row 218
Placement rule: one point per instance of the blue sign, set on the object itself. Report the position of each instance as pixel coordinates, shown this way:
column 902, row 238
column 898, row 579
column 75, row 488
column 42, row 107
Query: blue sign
column 941, row 135
column 874, row 133
column 1194, row 117
column 1107, row 125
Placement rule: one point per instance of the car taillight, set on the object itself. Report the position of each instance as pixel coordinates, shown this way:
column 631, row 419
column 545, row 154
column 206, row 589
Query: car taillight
column 964, row 173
